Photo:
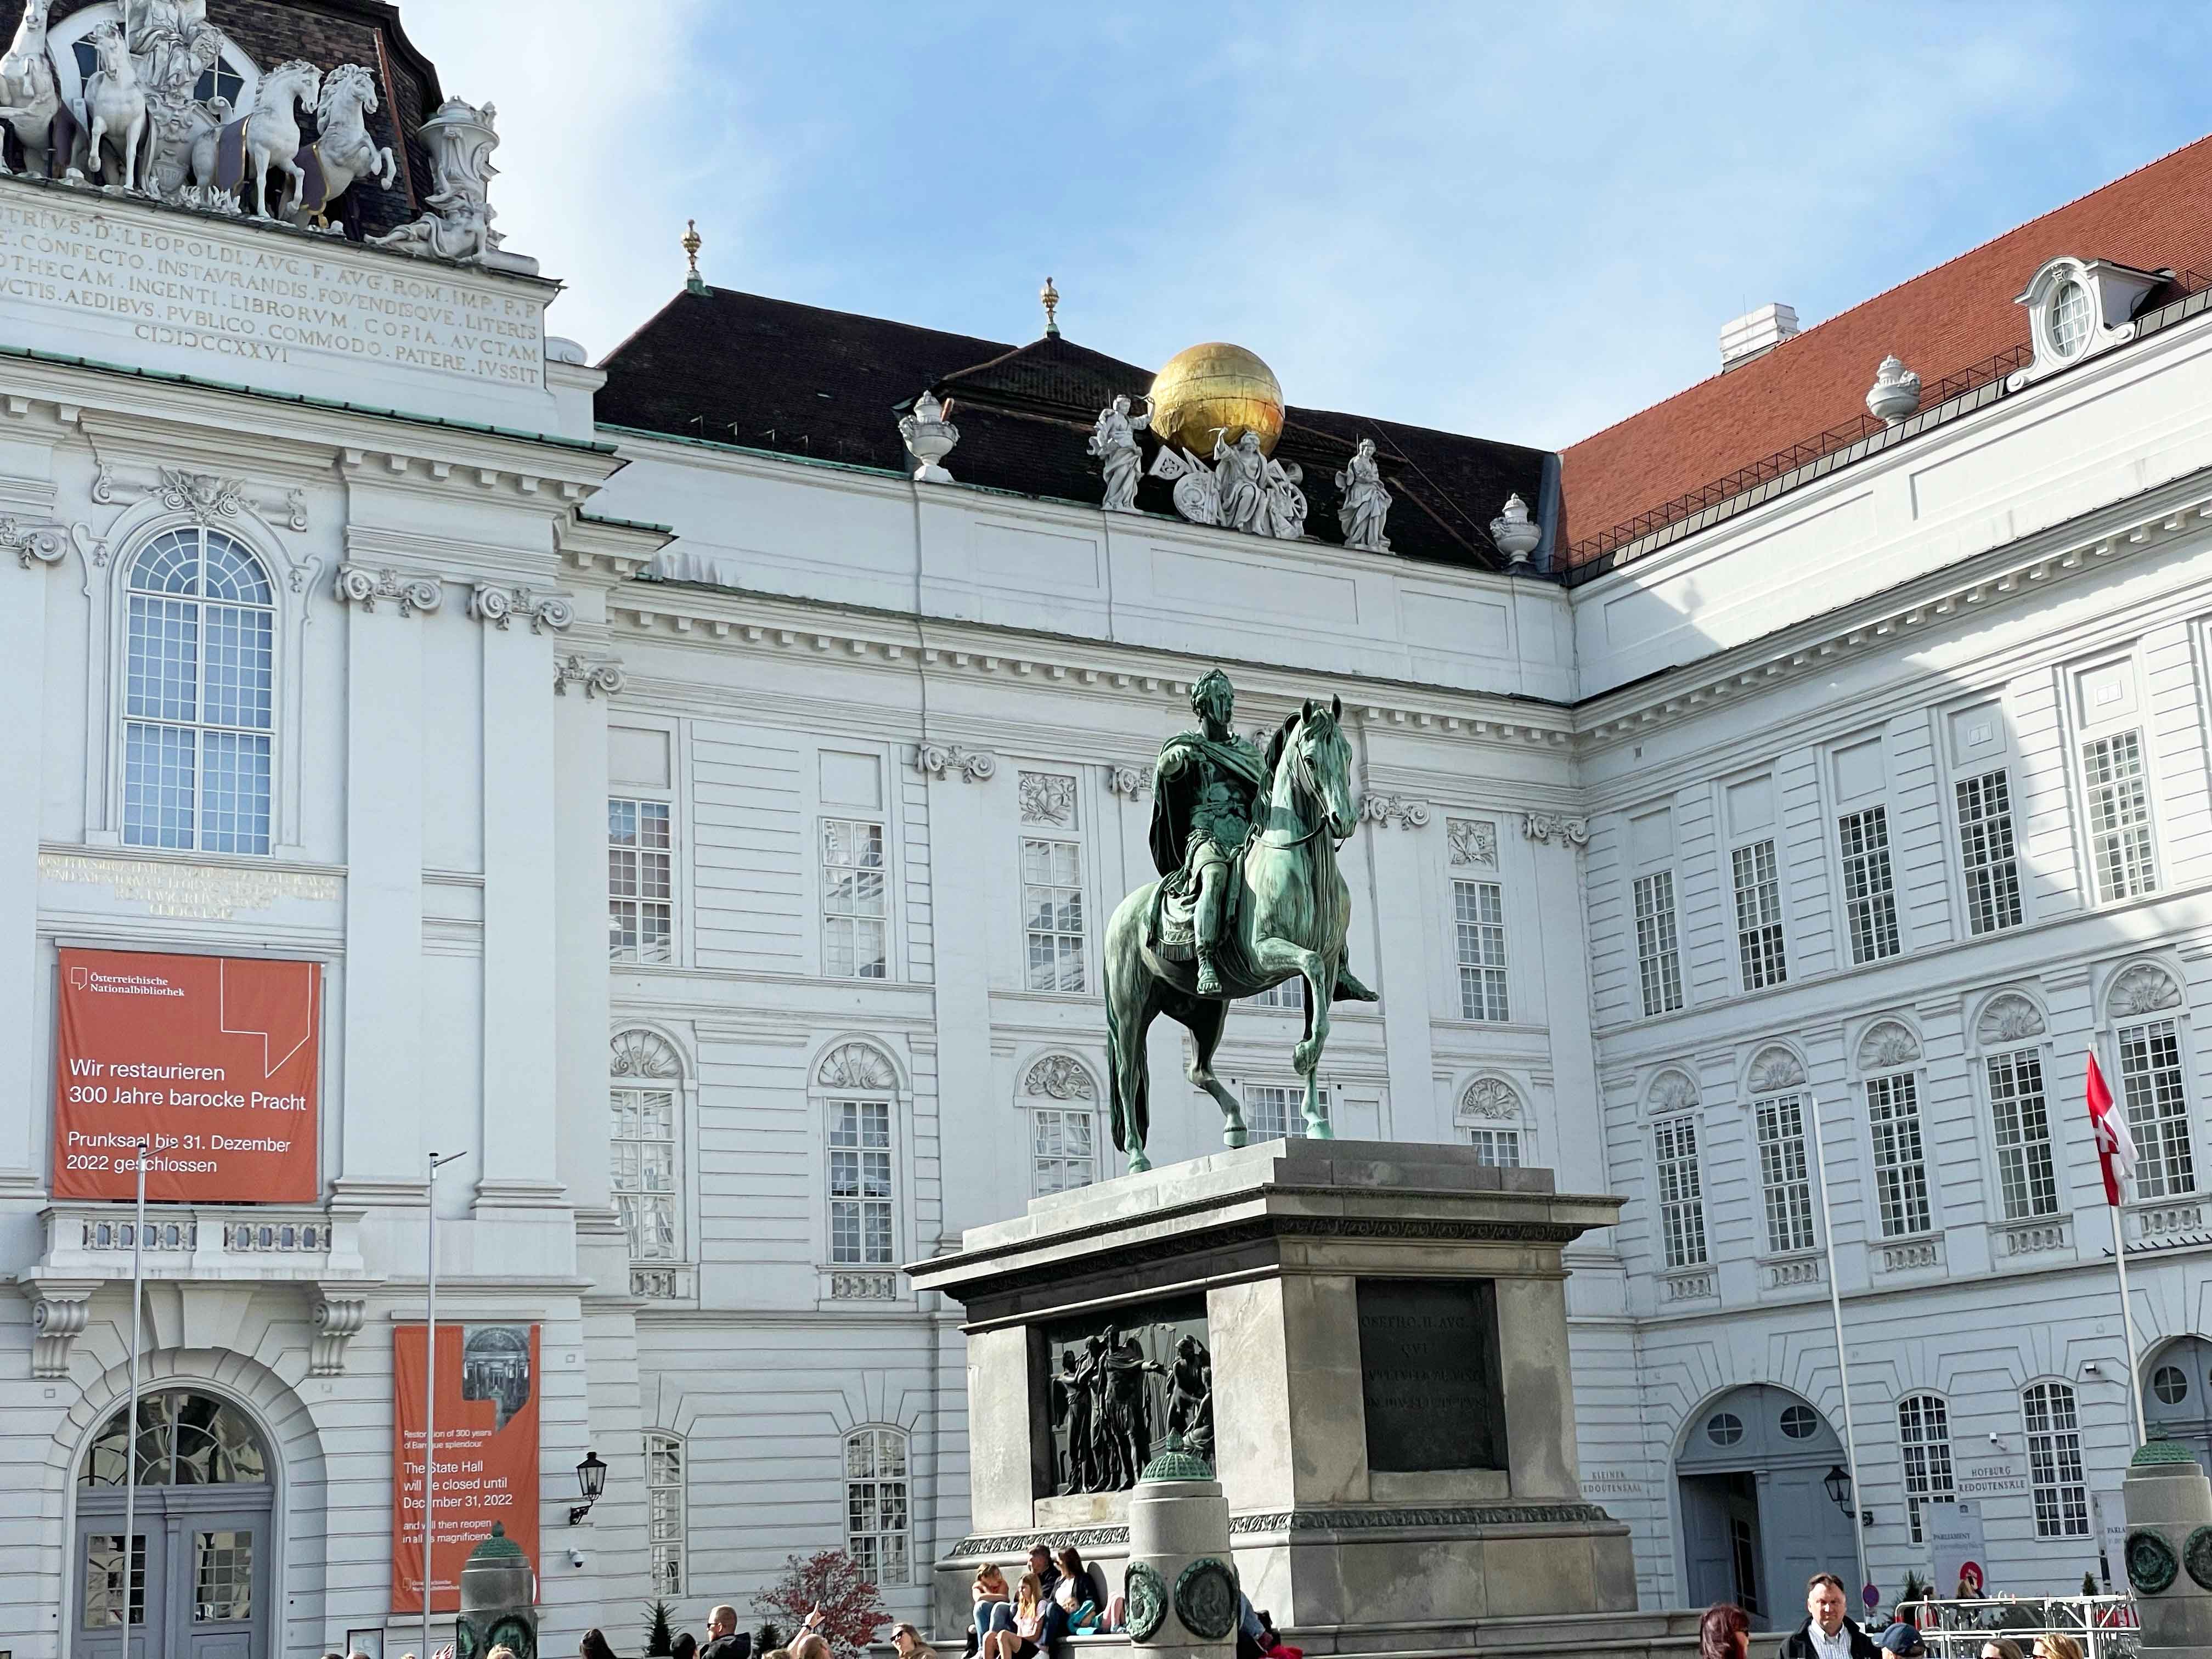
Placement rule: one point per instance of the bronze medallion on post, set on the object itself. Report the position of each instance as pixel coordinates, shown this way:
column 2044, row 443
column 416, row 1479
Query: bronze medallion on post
column 2196, row 1556
column 2152, row 1567
column 1147, row 1593
column 1205, row 1599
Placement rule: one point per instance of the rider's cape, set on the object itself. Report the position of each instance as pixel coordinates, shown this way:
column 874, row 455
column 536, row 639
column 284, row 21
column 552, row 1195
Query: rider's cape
column 1169, row 935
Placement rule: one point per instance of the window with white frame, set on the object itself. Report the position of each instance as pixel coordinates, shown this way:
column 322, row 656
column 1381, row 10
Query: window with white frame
column 2054, row 1460
column 2027, row 1173
column 2158, row 1109
column 640, row 880
column 1658, row 953
column 1061, row 1100
column 1682, row 1191
column 664, row 1498
column 1291, row 993
column 2118, row 795
column 861, row 1231
column 875, row 1519
column 1479, row 910
column 198, row 695
column 1759, row 948
column 1489, row 1117
column 1901, row 1159
column 1923, row 1434
column 855, row 901
column 1052, row 912
column 1869, row 887
column 1987, row 853
column 1784, row 1172
column 1275, row 1111
column 641, row 1150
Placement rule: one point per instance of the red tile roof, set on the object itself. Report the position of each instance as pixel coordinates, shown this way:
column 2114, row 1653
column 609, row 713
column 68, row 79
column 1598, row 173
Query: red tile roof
column 1939, row 323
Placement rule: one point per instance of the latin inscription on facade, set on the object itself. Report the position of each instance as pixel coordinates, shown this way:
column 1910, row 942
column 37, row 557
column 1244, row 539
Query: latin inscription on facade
column 244, row 297
column 198, row 892
column 1429, row 1374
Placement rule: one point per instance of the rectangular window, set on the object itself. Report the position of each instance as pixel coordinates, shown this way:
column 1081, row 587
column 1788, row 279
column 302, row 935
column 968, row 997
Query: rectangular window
column 1900, row 1163
column 641, row 883
column 641, row 1150
column 1923, row 1432
column 104, row 1587
column 2054, row 1462
column 2119, row 816
column 1869, row 890
column 664, row 1492
column 1063, row 1149
column 2022, row 1120
column 1479, row 907
column 855, row 931
column 876, row 1526
column 1785, row 1173
column 860, row 1183
column 2158, row 1109
column 1658, row 955
column 1052, row 912
column 1759, row 916
column 1986, row 852
column 1291, row 993
column 1274, row 1112
column 1496, row 1149
column 1681, row 1194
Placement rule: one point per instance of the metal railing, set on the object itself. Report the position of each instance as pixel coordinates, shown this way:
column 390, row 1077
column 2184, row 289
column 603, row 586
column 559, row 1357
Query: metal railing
column 2105, row 1627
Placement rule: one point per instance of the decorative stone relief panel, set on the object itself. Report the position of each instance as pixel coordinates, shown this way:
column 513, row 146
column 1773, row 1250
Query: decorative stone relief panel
column 1049, row 798
column 2142, row 989
column 2007, row 1018
column 857, row 1066
column 1776, row 1068
column 1490, row 1097
column 1888, row 1044
column 1473, row 841
column 1671, row 1092
column 644, row 1054
column 1059, row 1076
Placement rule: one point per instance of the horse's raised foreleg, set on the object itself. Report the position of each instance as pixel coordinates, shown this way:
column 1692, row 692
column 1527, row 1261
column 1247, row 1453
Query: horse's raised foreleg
column 1205, row 1017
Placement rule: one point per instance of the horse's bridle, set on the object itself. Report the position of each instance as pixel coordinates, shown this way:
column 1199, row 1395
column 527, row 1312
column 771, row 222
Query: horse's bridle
column 1312, row 787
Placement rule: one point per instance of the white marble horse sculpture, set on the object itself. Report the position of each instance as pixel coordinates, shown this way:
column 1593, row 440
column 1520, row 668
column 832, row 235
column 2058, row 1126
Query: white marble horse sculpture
column 267, row 136
column 345, row 150
column 115, row 109
column 30, row 95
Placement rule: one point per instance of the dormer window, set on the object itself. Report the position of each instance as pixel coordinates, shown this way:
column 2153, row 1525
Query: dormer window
column 2078, row 307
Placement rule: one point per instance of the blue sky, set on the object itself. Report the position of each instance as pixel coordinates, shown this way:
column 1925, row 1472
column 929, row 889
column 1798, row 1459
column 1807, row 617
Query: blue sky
column 1521, row 222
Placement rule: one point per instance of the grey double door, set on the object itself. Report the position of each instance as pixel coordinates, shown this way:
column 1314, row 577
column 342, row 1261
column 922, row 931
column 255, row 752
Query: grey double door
column 199, row 1570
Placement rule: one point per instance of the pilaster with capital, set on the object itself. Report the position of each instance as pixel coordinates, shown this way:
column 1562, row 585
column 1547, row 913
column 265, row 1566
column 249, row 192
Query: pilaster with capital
column 23, row 629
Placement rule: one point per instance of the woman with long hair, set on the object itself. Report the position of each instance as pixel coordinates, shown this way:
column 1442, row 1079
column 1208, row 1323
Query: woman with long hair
column 1027, row 1635
column 1724, row 1633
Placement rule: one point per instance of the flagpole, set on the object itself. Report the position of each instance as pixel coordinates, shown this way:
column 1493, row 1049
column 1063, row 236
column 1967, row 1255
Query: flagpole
column 2128, row 1325
column 2116, row 1160
column 130, row 1421
column 430, row 1384
column 1843, row 1363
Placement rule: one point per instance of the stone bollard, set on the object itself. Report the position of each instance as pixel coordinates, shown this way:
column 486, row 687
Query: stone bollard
column 497, row 1610
column 2169, row 1550
column 1180, row 1583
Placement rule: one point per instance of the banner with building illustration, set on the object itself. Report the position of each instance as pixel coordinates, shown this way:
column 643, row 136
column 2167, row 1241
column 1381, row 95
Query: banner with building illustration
column 487, row 1452
column 212, row 1061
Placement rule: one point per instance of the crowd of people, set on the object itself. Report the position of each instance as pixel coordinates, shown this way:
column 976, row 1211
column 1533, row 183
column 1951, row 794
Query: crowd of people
column 1829, row 1632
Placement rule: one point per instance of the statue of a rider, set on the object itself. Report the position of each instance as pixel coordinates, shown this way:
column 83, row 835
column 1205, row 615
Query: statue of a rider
column 1206, row 785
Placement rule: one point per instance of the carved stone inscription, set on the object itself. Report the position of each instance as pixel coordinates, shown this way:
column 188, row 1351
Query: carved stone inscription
column 1115, row 1386
column 1429, row 1374
column 256, row 297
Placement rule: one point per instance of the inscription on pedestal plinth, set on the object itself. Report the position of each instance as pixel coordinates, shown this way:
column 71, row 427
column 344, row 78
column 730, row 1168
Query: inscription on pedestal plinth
column 1429, row 1375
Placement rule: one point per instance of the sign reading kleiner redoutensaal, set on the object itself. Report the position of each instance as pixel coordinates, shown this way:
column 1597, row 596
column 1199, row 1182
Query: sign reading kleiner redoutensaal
column 211, row 1060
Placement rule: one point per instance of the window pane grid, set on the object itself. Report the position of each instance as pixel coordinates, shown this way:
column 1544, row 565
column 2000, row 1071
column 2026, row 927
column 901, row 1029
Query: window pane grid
column 641, row 1152
column 640, row 881
column 1785, row 1173
column 664, row 1486
column 103, row 1580
column 1869, row 892
column 1681, row 1199
column 1759, row 916
column 1901, row 1166
column 1063, row 1148
column 876, row 1518
column 1923, row 1431
column 1277, row 1112
column 1052, row 914
column 2027, row 1172
column 1987, row 853
column 1479, row 910
column 1658, row 955
column 2119, row 816
column 854, row 907
column 860, row 1183
column 2158, row 1109
column 2054, row 1462
column 1496, row 1149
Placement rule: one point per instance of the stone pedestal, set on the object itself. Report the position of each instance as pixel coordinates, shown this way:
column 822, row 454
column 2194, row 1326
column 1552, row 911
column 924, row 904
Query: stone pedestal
column 2169, row 1550
column 1392, row 1422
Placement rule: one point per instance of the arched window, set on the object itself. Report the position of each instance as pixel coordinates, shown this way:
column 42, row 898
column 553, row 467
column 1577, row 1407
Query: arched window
column 1779, row 1105
column 663, row 1496
column 2142, row 1002
column 198, row 695
column 1923, row 1435
column 642, row 1149
column 1489, row 1117
column 184, row 1438
column 2019, row 1112
column 876, row 1524
column 2054, row 1460
column 1888, row 1055
column 1673, row 1102
column 1063, row 1125
column 228, row 73
column 862, row 1087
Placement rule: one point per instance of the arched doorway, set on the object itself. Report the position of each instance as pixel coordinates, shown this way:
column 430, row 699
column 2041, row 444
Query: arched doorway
column 2177, row 1395
column 1757, row 1518
column 199, row 1563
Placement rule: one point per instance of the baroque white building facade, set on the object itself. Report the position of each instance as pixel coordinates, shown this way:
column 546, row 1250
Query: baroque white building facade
column 713, row 842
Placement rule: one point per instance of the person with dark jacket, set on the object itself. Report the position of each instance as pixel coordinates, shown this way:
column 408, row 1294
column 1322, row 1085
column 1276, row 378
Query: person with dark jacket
column 1826, row 1633
column 724, row 1639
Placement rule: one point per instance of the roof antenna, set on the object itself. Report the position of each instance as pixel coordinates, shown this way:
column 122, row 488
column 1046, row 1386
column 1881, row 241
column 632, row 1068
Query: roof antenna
column 694, row 282
column 1050, row 295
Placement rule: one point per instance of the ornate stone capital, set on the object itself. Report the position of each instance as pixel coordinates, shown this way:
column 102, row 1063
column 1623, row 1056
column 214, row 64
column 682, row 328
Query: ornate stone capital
column 941, row 761
column 412, row 590
column 598, row 675
column 1131, row 782
column 498, row 607
column 209, row 497
column 45, row 543
column 1543, row 826
column 1391, row 809
column 58, row 1317
column 337, row 1318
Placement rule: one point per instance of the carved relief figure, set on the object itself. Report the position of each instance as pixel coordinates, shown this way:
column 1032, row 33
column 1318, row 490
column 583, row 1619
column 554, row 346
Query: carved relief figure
column 1190, row 1406
column 1114, row 442
column 1128, row 1410
column 1366, row 503
column 1072, row 1413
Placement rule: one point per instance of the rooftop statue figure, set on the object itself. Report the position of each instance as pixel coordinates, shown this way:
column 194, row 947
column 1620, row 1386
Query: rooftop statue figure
column 1114, row 442
column 1366, row 503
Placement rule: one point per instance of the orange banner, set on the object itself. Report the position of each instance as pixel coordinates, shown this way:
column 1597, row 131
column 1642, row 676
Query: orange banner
column 213, row 1060
column 487, row 1452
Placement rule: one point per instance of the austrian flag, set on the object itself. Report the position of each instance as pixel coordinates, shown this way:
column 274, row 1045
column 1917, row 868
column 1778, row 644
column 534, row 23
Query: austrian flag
column 2116, row 1147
